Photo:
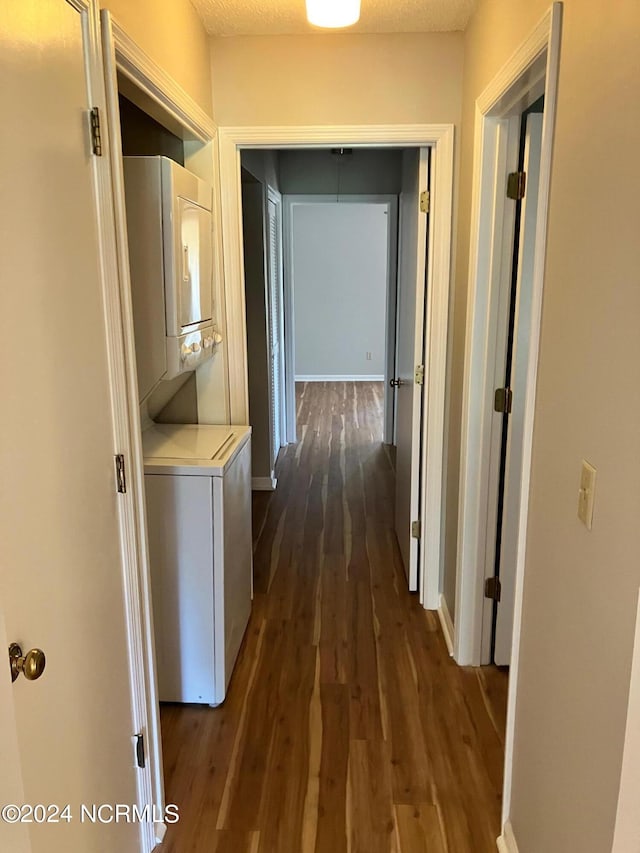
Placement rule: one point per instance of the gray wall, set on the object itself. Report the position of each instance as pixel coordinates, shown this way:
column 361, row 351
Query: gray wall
column 365, row 171
column 141, row 135
column 339, row 287
column 256, row 308
column 264, row 165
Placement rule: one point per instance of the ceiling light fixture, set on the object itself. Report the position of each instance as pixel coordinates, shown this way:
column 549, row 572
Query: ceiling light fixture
column 333, row 14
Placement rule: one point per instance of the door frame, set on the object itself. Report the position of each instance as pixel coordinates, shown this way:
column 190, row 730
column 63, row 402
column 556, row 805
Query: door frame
column 438, row 137
column 535, row 63
column 291, row 201
column 164, row 99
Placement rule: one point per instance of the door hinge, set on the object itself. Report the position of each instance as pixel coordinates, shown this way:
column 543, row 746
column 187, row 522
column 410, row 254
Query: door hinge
column 141, row 760
column 96, row 133
column 419, row 375
column 121, row 476
column 415, row 529
column 503, row 400
column 492, row 589
column 425, row 201
column 516, row 185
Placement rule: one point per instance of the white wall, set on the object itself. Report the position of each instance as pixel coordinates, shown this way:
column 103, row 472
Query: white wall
column 173, row 35
column 339, row 287
column 337, row 78
column 581, row 587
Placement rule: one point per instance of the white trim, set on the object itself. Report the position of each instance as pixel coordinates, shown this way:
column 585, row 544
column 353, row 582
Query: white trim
column 264, row 484
column 510, row 85
column 507, row 841
column 364, row 377
column 446, row 624
column 439, row 137
column 329, row 136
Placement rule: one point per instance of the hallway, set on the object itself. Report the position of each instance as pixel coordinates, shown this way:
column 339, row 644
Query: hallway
column 347, row 726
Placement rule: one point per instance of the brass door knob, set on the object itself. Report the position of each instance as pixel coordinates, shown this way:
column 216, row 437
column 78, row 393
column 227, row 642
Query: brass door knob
column 30, row 665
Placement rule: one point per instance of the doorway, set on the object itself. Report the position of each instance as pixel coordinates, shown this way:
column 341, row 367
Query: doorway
column 501, row 363
column 263, row 280
column 428, row 433
column 506, row 277
column 341, row 282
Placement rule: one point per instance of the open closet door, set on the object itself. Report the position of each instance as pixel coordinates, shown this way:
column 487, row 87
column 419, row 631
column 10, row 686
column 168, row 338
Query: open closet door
column 275, row 299
column 408, row 382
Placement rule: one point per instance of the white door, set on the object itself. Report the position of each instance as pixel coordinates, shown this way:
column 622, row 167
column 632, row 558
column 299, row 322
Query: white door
column 521, row 341
column 12, row 837
column 61, row 574
column 412, row 258
column 275, row 309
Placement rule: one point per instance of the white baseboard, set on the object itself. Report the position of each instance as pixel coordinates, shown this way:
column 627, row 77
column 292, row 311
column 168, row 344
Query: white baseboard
column 507, row 841
column 263, row 484
column 446, row 623
column 352, row 377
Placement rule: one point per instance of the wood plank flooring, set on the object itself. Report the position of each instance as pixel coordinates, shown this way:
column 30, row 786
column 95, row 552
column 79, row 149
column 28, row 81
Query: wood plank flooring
column 347, row 727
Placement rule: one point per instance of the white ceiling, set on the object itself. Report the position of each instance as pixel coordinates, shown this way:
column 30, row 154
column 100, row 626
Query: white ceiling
column 270, row 17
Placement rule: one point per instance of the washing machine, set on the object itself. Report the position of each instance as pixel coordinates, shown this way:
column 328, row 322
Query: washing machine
column 198, row 493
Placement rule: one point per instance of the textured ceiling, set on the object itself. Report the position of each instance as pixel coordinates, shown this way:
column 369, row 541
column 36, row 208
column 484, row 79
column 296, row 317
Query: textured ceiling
column 268, row 17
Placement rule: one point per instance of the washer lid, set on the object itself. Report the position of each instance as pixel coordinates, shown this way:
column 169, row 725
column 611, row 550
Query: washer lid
column 185, row 441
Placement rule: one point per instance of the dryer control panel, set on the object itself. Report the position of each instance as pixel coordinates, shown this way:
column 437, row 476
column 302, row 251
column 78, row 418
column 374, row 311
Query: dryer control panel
column 187, row 352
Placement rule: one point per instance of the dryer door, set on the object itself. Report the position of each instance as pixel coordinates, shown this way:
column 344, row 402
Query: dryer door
column 194, row 265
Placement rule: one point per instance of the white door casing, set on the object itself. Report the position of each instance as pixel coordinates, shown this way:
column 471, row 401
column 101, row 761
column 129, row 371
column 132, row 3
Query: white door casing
column 412, row 254
column 531, row 71
column 61, row 517
column 521, row 345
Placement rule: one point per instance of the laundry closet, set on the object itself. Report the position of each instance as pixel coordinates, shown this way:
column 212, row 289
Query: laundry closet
column 197, row 467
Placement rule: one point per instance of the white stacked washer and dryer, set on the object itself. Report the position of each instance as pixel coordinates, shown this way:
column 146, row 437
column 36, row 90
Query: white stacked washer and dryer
column 197, row 476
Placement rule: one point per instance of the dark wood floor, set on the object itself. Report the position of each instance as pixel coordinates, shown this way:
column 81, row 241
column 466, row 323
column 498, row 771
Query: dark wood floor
column 347, row 726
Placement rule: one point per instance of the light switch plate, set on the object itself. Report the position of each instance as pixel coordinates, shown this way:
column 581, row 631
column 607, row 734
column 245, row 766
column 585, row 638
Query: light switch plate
column 586, row 494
